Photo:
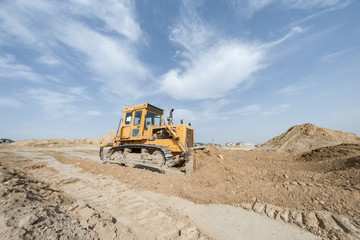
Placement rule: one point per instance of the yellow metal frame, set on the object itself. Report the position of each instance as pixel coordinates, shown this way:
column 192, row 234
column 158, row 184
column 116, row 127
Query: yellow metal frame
column 176, row 145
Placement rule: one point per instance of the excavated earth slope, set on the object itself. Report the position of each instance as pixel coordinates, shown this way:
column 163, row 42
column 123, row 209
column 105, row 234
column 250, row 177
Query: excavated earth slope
column 307, row 137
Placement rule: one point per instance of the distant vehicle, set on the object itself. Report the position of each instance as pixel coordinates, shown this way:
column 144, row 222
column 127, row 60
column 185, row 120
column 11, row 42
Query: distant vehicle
column 5, row 141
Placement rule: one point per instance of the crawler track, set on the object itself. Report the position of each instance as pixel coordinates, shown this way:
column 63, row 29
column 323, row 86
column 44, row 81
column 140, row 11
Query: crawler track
column 161, row 166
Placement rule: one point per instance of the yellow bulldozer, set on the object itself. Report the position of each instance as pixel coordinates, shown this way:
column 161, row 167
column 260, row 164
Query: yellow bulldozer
column 145, row 140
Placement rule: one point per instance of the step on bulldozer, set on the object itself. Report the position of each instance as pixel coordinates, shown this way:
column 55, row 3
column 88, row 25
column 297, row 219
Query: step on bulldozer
column 145, row 140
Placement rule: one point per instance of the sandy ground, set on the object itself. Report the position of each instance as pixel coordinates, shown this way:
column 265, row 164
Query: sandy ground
column 302, row 184
column 66, row 193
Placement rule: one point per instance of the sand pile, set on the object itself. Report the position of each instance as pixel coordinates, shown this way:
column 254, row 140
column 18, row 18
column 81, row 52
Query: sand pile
column 55, row 142
column 307, row 137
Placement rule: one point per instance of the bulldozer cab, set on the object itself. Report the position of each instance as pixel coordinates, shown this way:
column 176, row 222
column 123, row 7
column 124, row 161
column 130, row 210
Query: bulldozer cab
column 138, row 120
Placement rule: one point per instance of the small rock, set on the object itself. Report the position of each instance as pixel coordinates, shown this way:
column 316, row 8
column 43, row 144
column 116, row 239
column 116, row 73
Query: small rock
column 84, row 224
column 296, row 218
column 85, row 213
column 311, row 220
column 81, row 203
column 286, row 176
column 285, row 215
column 189, row 232
column 258, row 207
column 179, row 225
column 344, row 223
column 29, row 219
column 271, row 210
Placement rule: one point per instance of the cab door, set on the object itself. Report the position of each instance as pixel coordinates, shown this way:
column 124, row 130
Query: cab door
column 125, row 132
column 137, row 125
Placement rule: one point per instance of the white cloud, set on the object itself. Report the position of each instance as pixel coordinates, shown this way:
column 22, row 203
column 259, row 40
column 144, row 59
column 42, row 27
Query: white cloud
column 248, row 7
column 306, row 4
column 49, row 60
column 292, row 90
column 78, row 91
column 107, row 49
column 55, row 104
column 331, row 57
column 9, row 102
column 10, row 69
column 211, row 65
column 191, row 33
column 113, row 62
column 118, row 16
column 214, row 72
column 293, row 31
column 93, row 113
column 276, row 110
column 247, row 110
column 186, row 114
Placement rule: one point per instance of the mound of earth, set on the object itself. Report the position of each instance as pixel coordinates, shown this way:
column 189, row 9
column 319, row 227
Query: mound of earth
column 307, row 137
column 55, row 142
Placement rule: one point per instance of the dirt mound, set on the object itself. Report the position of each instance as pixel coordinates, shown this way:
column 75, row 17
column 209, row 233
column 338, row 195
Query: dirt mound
column 108, row 137
column 333, row 158
column 55, row 142
column 307, row 137
column 342, row 151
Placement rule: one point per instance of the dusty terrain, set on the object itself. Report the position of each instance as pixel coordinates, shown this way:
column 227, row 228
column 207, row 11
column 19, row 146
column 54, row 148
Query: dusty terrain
column 62, row 191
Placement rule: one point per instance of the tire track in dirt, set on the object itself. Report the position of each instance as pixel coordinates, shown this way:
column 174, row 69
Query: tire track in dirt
column 132, row 213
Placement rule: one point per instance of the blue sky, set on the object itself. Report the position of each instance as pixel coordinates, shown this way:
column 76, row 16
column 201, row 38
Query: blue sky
column 238, row 70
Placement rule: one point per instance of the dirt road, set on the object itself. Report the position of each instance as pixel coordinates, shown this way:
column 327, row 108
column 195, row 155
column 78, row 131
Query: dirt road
column 64, row 193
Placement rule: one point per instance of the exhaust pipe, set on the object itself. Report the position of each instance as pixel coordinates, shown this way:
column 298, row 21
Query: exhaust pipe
column 170, row 118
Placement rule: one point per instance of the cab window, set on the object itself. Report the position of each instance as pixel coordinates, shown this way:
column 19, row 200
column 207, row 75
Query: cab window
column 152, row 119
column 137, row 118
column 128, row 118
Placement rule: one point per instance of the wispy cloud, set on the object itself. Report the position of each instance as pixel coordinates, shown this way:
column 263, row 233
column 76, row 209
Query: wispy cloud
column 292, row 90
column 113, row 62
column 9, row 102
column 10, row 69
column 248, row 7
column 49, row 60
column 78, row 91
column 331, row 57
column 209, row 110
column 93, row 113
column 59, row 103
column 107, row 50
column 209, row 68
column 55, row 104
column 213, row 110
column 276, row 110
column 306, row 4
column 212, row 65
column 118, row 16
column 247, row 110
column 293, row 32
